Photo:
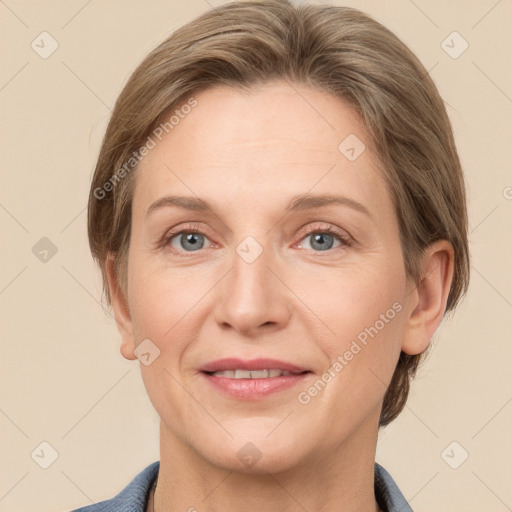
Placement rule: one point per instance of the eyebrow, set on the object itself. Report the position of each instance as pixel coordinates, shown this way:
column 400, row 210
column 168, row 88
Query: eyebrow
column 297, row 203
column 308, row 202
column 187, row 203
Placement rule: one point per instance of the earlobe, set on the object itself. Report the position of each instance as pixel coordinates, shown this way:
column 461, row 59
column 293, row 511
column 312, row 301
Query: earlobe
column 121, row 310
column 428, row 301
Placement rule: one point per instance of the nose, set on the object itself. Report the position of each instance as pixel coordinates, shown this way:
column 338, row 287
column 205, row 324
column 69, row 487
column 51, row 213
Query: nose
column 252, row 299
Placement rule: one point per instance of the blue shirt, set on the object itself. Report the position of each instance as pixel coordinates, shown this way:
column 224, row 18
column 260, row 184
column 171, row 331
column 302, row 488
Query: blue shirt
column 134, row 497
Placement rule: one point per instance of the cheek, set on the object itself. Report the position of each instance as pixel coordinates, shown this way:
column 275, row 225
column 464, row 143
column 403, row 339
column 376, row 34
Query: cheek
column 164, row 305
column 350, row 301
column 162, row 298
column 358, row 335
column 359, row 332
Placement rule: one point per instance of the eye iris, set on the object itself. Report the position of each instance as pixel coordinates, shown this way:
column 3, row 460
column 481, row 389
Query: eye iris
column 321, row 241
column 192, row 241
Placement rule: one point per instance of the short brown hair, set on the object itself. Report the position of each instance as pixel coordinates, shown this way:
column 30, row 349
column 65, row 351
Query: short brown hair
column 337, row 49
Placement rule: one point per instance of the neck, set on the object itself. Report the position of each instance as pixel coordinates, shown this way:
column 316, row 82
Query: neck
column 329, row 481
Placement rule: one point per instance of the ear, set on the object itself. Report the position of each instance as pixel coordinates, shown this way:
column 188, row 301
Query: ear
column 121, row 310
column 428, row 300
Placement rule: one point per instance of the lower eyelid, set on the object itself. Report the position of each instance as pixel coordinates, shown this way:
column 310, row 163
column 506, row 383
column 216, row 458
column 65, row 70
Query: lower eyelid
column 343, row 244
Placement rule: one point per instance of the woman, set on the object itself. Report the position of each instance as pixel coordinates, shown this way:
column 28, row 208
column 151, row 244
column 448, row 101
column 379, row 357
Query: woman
column 278, row 212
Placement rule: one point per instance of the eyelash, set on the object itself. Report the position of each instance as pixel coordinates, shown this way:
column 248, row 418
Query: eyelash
column 345, row 240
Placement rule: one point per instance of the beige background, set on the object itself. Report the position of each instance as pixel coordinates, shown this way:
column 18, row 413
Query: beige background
column 63, row 379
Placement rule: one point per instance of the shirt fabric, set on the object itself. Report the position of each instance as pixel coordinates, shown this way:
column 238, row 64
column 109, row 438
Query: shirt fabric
column 134, row 497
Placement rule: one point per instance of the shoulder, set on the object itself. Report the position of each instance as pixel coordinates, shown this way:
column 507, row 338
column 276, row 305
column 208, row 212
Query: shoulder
column 133, row 498
column 387, row 493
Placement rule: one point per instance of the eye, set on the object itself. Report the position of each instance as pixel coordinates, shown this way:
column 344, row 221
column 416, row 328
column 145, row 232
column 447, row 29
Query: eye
column 321, row 240
column 188, row 241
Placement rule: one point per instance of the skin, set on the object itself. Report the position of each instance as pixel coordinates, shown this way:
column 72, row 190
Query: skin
column 248, row 154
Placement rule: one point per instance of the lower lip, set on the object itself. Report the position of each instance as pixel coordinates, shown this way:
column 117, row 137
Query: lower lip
column 253, row 389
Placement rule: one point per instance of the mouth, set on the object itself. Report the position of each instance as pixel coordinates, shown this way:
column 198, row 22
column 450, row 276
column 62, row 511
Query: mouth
column 252, row 374
column 252, row 379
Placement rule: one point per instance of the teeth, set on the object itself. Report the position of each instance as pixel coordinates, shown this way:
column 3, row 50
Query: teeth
column 242, row 374
column 251, row 374
column 254, row 374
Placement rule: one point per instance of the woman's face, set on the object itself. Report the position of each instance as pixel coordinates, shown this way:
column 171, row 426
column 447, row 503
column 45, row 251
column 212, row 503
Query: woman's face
column 274, row 242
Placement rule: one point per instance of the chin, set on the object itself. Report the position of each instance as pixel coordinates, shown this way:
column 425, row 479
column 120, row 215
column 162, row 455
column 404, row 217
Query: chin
column 256, row 453
column 251, row 460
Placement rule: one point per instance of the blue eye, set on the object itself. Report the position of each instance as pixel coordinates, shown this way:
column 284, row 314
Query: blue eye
column 321, row 241
column 188, row 241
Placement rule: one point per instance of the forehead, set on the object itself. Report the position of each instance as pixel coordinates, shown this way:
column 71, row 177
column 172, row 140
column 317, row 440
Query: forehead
column 276, row 137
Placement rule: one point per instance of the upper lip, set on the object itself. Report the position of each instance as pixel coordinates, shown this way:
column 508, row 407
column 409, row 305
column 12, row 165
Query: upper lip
column 250, row 364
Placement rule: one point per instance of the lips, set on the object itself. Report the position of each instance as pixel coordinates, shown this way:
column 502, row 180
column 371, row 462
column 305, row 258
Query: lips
column 253, row 379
